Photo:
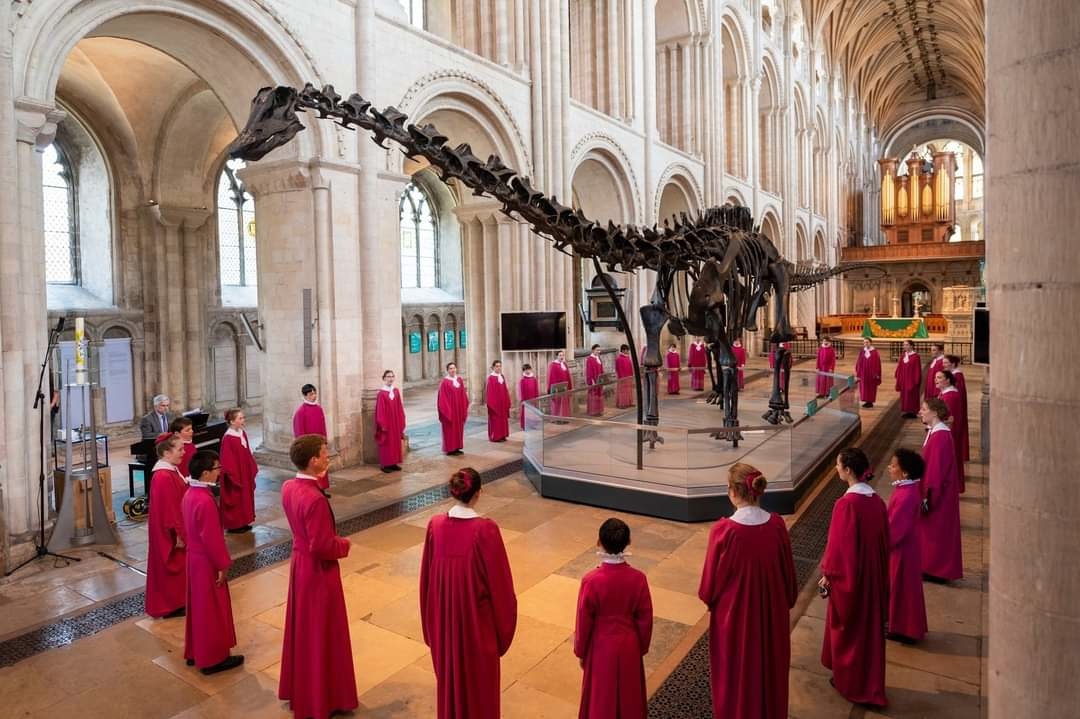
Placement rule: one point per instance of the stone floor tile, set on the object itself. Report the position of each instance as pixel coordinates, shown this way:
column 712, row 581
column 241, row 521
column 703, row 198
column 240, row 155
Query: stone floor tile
column 256, row 693
column 392, row 537
column 810, row 696
column 666, row 636
column 401, row 616
column 365, row 594
column 683, row 608
column 104, row 586
column 558, row 675
column 151, row 693
column 553, row 600
column 379, row 654
column 256, row 593
column 408, row 693
column 533, row 641
column 521, row 701
column 956, row 656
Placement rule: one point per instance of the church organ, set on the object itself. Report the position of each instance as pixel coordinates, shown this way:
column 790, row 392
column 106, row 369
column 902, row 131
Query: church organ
column 918, row 206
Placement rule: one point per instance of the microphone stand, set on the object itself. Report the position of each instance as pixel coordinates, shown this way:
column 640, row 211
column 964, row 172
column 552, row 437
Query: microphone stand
column 41, row 549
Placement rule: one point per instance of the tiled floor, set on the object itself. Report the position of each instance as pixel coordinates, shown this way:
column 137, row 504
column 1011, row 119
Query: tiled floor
column 135, row 669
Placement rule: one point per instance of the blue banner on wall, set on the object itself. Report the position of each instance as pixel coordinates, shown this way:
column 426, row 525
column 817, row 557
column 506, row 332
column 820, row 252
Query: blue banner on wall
column 448, row 340
column 461, row 339
column 414, row 342
column 432, row 341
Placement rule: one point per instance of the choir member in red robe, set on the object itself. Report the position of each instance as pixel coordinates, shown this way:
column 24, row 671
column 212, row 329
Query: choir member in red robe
column 673, row 362
column 309, row 418
column 868, row 370
column 594, row 367
column 183, row 427
column 939, row 527
column 316, row 657
column 826, row 365
column 952, row 363
column 957, row 421
column 528, row 388
column 497, row 397
column 389, row 424
column 209, row 633
column 937, row 363
column 696, row 360
column 907, row 606
column 468, row 609
column 453, row 406
column 166, row 557
column 558, row 373
column 908, row 376
column 624, row 373
column 613, row 630
column 855, row 576
column 238, row 470
column 748, row 582
column 740, row 361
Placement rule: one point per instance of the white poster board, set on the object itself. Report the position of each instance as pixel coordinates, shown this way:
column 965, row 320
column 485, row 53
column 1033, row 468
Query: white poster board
column 117, row 377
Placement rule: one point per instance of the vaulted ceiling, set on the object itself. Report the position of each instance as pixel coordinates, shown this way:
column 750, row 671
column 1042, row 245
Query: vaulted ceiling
column 900, row 54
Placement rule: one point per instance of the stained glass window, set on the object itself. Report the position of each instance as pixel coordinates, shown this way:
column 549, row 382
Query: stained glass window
column 58, row 200
column 236, row 228
column 419, row 240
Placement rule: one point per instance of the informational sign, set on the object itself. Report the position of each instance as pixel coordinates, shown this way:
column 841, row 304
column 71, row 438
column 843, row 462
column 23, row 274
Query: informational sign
column 432, row 341
column 811, row 408
column 414, row 342
column 448, row 340
column 117, row 378
column 461, row 339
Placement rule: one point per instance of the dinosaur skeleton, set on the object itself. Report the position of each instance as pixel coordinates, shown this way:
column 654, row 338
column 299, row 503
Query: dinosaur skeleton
column 717, row 258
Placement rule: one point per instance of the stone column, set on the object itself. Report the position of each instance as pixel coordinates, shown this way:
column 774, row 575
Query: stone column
column 1032, row 186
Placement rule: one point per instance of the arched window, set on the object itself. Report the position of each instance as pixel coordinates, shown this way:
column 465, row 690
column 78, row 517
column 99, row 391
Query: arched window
column 58, row 200
column 236, row 228
column 414, row 9
column 419, row 240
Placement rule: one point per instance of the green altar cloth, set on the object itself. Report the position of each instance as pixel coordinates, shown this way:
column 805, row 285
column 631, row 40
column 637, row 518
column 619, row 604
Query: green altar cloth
column 895, row 328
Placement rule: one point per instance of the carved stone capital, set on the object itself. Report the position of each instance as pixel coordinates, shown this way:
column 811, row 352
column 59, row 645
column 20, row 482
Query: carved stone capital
column 189, row 218
column 271, row 178
column 36, row 122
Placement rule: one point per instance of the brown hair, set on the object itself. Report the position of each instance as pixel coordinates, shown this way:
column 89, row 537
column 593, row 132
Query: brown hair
column 953, row 360
column 179, row 423
column 746, row 482
column 305, row 448
column 938, row 407
column 464, row 484
column 230, row 414
column 165, row 445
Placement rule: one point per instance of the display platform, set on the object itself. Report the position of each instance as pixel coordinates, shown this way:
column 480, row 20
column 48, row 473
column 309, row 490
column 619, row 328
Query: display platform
column 592, row 458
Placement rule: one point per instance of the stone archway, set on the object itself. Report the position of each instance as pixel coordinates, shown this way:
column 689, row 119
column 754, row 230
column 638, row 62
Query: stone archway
column 916, row 294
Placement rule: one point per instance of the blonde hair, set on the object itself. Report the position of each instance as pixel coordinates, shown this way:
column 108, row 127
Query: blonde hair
column 746, row 482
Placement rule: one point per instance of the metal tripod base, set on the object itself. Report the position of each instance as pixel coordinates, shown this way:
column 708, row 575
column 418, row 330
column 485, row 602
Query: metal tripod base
column 99, row 529
column 40, row 552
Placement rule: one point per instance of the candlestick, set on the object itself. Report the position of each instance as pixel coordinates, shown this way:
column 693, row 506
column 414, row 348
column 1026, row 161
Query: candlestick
column 80, row 352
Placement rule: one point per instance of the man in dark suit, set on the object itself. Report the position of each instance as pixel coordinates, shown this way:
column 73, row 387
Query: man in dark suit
column 158, row 420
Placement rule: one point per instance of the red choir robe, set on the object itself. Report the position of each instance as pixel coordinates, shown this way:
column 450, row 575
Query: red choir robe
column 951, row 397
column 309, row 418
column 908, row 377
column 748, row 582
column 611, row 635
column 939, row 528
column 740, row 363
column 468, row 611
column 696, row 359
column 936, row 365
column 166, row 561
column 189, row 452
column 826, row 365
column 856, row 563
column 209, row 632
column 389, row 425
column 907, row 606
column 316, row 656
column 673, row 361
column 868, row 370
column 624, row 373
column 961, row 386
column 453, row 406
column 497, row 397
column 528, row 388
column 238, row 470
column 559, row 372
column 594, row 402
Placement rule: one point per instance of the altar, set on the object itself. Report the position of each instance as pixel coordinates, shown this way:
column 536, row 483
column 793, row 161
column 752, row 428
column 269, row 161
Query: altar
column 895, row 328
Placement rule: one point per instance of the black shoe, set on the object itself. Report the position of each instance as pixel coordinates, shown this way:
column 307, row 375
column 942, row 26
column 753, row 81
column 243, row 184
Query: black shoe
column 231, row 662
column 935, row 580
column 455, row 453
column 389, row 469
column 190, row 662
column 175, row 613
column 240, row 530
column 900, row 638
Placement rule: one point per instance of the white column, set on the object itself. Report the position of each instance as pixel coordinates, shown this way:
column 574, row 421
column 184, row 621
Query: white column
column 614, row 104
column 502, row 33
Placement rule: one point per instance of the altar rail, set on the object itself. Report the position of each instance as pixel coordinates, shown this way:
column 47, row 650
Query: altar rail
column 914, row 251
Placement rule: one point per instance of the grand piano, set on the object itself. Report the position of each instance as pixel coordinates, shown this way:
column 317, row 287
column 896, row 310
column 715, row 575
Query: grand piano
column 207, row 436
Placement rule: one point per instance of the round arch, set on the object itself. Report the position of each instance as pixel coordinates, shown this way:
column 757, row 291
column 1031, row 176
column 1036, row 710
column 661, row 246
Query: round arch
column 921, row 126
column 601, row 186
column 678, row 178
column 735, row 196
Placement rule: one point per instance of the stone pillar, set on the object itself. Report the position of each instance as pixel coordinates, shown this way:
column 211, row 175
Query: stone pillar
column 1032, row 186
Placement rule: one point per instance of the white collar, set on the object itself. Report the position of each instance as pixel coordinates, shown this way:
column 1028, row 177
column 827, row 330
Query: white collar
column 905, row 482
column 528, row 376
column 868, row 350
column 561, row 361
column 237, row 433
column 950, row 388
column 860, row 488
column 313, row 404
column 389, row 390
column 750, row 516
column 501, row 379
column 939, row 427
column 455, row 380
column 606, row 558
column 460, row 511
column 162, row 464
column 301, row 475
column 196, row 483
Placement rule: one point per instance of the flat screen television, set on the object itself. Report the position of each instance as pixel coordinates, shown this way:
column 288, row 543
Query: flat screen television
column 532, row 331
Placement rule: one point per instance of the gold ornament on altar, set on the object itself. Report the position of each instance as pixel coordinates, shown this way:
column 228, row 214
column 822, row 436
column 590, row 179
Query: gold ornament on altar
column 903, row 333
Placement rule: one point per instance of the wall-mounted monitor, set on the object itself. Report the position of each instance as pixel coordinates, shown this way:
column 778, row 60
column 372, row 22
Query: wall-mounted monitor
column 533, row 331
